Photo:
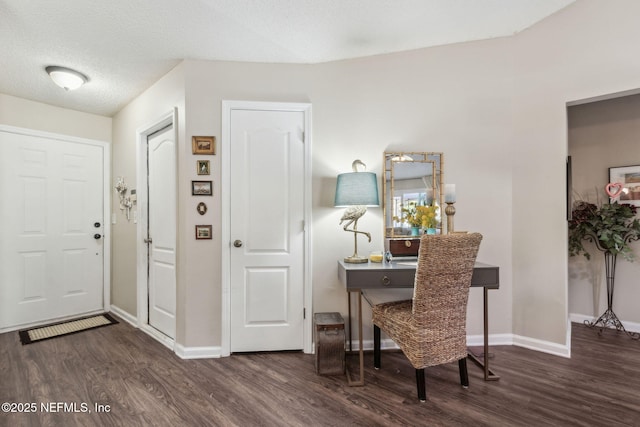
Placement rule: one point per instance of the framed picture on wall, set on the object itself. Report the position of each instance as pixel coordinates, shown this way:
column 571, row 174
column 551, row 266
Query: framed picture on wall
column 201, row 188
column 203, row 144
column 624, row 184
column 203, row 232
column 202, row 167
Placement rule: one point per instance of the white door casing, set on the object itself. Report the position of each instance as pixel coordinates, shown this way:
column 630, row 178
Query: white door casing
column 166, row 262
column 53, row 250
column 267, row 281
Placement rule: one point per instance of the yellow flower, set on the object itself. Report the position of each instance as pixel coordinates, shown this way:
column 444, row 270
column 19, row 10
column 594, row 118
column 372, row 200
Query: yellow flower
column 420, row 216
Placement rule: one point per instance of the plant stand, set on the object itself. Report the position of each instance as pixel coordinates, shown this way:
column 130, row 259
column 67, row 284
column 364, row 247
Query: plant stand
column 609, row 317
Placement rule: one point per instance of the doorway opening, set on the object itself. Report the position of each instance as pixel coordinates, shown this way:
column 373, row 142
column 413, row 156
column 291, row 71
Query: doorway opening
column 156, row 233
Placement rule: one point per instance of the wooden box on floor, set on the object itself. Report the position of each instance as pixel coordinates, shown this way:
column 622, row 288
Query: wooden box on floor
column 330, row 343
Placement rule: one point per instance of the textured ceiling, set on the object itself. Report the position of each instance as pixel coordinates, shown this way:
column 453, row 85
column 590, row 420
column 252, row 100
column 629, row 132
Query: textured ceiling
column 124, row 46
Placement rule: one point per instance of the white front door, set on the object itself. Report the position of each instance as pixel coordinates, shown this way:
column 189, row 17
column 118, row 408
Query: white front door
column 161, row 158
column 51, row 243
column 267, row 254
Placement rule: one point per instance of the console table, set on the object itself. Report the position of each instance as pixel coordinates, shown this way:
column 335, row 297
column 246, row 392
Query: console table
column 401, row 274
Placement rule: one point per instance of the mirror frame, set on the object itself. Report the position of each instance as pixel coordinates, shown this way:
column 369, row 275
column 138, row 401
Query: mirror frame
column 390, row 162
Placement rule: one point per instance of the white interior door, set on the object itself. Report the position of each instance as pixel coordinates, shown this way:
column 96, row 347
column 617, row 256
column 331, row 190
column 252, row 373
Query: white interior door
column 161, row 238
column 267, row 182
column 51, row 249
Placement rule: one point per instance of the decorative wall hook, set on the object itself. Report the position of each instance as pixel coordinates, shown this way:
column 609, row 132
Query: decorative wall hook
column 125, row 201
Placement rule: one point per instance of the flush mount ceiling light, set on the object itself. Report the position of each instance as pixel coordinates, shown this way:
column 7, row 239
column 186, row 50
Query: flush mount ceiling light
column 66, row 78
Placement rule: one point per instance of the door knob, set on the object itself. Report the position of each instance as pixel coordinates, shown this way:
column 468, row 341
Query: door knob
column 97, row 236
column 237, row 243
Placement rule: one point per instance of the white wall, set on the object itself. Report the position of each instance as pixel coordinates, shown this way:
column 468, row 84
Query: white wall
column 207, row 84
column 602, row 135
column 360, row 109
column 581, row 52
column 496, row 108
column 425, row 100
column 144, row 111
column 28, row 114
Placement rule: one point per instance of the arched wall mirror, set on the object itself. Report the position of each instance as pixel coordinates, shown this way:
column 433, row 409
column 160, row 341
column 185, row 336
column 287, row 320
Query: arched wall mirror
column 410, row 179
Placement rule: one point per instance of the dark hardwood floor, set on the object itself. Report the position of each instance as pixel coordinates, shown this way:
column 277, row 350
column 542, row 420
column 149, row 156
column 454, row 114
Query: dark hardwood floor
column 145, row 384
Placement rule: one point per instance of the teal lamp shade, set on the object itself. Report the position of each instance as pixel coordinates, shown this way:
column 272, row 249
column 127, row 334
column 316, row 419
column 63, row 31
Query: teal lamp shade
column 357, row 188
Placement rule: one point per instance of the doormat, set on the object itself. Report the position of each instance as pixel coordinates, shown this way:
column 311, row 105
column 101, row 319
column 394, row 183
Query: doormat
column 40, row 333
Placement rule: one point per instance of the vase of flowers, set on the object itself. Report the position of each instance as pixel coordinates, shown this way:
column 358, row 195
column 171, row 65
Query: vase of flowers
column 419, row 217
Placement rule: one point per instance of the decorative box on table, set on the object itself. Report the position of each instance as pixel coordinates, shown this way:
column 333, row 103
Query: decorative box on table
column 330, row 343
column 403, row 247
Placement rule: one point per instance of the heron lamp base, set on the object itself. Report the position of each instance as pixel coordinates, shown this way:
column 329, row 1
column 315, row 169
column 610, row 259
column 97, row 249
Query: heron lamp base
column 355, row 259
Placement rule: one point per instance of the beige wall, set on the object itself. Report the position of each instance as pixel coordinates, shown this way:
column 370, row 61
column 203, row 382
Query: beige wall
column 582, row 52
column 496, row 108
column 28, row 114
column 602, row 135
column 360, row 109
column 207, row 84
column 426, row 100
column 143, row 112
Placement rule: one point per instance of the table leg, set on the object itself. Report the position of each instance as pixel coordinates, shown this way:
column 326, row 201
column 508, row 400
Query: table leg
column 488, row 374
column 360, row 382
column 350, row 339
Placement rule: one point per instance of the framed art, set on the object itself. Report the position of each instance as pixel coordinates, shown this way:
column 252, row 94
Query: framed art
column 202, row 167
column 201, row 208
column 201, row 188
column 203, row 232
column 624, row 184
column 203, row 144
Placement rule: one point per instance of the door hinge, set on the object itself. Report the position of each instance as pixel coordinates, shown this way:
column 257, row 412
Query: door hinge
column 304, row 313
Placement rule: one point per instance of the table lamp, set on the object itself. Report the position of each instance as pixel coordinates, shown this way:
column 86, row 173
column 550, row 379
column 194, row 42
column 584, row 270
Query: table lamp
column 356, row 190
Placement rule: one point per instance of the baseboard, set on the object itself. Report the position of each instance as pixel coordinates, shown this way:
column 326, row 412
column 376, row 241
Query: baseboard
column 133, row 321
column 542, row 346
column 582, row 318
column 494, row 339
column 158, row 336
column 198, row 352
column 127, row 317
column 180, row 350
column 472, row 341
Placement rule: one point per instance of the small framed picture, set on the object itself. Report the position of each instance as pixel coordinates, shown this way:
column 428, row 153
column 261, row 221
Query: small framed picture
column 203, row 144
column 201, row 208
column 201, row 188
column 203, row 232
column 624, row 185
column 202, row 167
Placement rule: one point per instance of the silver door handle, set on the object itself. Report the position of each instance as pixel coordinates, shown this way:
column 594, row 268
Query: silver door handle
column 237, row 243
column 149, row 240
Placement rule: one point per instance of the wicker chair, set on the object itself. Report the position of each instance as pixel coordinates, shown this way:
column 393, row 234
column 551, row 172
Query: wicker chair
column 431, row 329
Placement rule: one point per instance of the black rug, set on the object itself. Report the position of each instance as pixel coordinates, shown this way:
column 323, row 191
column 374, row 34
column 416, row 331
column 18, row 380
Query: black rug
column 41, row 333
